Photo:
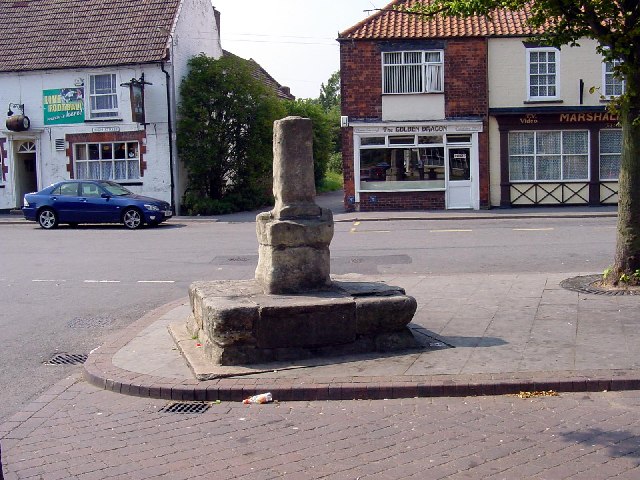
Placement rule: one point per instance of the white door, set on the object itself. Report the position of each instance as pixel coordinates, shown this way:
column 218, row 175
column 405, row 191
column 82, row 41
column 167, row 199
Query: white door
column 459, row 178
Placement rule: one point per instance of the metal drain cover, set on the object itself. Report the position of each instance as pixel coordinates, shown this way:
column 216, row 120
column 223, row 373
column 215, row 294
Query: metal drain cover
column 67, row 359
column 185, row 407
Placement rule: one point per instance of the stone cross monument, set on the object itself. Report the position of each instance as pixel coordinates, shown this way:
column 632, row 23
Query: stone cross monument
column 294, row 237
column 293, row 309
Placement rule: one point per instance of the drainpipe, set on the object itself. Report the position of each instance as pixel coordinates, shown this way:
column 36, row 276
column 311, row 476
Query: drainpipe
column 170, row 131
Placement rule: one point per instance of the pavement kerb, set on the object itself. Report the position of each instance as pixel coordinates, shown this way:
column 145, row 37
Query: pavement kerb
column 381, row 217
column 100, row 371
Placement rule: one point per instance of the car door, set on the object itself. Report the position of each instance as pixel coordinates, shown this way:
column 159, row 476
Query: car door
column 64, row 199
column 94, row 206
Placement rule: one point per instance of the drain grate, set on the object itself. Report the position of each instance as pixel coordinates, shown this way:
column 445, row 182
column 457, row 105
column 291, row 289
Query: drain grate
column 185, row 407
column 67, row 359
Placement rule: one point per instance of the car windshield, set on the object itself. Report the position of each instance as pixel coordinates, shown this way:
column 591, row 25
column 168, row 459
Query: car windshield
column 115, row 189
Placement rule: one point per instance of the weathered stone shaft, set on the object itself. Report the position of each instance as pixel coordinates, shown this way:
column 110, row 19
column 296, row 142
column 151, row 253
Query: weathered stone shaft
column 294, row 237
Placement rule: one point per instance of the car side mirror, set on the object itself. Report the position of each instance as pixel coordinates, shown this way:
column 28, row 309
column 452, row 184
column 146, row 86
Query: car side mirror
column 106, row 195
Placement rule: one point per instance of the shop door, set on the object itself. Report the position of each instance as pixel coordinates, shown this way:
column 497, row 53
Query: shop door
column 459, row 178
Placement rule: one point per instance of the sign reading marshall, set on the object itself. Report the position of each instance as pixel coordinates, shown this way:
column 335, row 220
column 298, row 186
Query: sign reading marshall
column 63, row 105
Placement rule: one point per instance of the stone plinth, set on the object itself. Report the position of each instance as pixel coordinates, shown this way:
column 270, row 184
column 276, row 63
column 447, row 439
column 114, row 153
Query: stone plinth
column 237, row 324
column 294, row 254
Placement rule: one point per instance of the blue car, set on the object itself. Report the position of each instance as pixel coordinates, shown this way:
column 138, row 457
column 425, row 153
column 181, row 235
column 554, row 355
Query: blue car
column 92, row 201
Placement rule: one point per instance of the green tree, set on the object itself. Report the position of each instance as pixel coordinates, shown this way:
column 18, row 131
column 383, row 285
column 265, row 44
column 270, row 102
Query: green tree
column 323, row 143
column 225, row 136
column 329, row 98
column 615, row 25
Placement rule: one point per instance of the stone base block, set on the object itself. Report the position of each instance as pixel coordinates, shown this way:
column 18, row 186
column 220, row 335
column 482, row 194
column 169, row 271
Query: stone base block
column 237, row 324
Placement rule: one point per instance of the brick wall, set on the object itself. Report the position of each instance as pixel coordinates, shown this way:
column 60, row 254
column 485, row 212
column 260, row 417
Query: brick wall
column 465, row 76
column 387, row 201
column 466, row 95
column 361, row 79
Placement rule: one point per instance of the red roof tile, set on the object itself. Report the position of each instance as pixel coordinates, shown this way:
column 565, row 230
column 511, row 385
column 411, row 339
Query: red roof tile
column 52, row 34
column 388, row 24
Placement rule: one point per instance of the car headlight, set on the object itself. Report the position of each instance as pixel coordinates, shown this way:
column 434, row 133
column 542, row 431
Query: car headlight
column 25, row 202
column 152, row 208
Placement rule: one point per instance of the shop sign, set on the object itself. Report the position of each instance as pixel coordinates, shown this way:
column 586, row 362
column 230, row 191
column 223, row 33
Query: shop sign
column 63, row 106
column 605, row 117
column 588, row 117
column 415, row 129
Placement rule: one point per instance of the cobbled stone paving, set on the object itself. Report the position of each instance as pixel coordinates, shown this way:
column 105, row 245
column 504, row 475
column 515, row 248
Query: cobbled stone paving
column 76, row 431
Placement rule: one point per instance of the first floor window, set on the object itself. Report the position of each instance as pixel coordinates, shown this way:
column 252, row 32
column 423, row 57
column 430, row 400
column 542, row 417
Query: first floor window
column 610, row 154
column 103, row 96
column 549, row 156
column 413, row 72
column 613, row 85
column 542, row 76
column 107, row 161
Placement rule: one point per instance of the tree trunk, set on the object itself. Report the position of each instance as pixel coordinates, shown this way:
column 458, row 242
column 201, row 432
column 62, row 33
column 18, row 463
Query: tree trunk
column 627, row 256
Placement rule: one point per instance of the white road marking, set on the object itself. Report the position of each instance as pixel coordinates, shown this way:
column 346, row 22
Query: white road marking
column 48, row 281
column 533, row 229
column 102, row 281
column 156, row 281
column 447, row 231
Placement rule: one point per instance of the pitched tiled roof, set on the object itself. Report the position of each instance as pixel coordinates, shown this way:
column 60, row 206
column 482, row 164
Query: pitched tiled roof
column 52, row 34
column 388, row 24
column 261, row 74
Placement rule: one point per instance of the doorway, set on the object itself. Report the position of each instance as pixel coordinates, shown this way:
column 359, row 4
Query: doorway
column 25, row 165
column 459, row 178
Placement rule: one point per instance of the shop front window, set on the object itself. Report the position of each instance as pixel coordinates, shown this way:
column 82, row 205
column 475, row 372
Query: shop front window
column 402, row 162
column 548, row 156
column 107, row 161
column 610, row 154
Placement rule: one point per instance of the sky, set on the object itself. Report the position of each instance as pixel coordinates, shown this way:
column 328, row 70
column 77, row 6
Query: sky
column 293, row 40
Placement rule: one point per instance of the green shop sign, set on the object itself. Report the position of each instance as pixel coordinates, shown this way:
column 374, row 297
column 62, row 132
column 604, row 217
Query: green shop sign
column 63, row 105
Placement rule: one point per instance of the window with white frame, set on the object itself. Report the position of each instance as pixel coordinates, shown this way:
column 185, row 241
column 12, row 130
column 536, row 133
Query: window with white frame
column 549, row 155
column 542, row 73
column 610, row 154
column 612, row 84
column 107, row 161
column 103, row 96
column 413, row 72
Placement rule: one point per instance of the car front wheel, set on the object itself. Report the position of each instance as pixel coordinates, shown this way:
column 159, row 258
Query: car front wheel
column 47, row 219
column 132, row 218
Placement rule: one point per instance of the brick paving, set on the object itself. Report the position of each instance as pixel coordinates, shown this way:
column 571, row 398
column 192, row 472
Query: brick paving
column 78, row 431
column 437, row 413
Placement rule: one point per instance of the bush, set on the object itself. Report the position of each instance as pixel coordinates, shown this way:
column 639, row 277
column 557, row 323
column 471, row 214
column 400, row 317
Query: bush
column 335, row 163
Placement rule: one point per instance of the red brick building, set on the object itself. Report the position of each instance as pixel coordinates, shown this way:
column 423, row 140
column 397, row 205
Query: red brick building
column 432, row 114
